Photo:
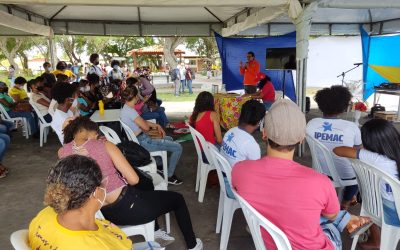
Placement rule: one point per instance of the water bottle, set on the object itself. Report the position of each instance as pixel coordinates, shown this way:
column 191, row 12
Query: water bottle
column 101, row 107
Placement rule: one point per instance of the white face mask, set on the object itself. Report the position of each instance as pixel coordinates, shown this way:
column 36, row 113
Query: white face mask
column 104, row 199
column 87, row 89
column 50, row 69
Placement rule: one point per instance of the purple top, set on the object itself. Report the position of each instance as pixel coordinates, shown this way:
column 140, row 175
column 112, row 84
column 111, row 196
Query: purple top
column 146, row 88
column 96, row 150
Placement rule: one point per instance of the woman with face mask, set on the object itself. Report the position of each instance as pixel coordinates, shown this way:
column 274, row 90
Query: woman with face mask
column 18, row 92
column 75, row 191
column 125, row 204
column 85, row 105
column 116, row 72
column 61, row 68
column 35, row 87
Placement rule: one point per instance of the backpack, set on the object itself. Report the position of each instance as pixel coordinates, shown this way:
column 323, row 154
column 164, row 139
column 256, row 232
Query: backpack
column 174, row 74
column 136, row 155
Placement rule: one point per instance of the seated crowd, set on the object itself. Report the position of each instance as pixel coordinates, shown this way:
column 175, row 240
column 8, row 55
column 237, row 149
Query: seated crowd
column 93, row 174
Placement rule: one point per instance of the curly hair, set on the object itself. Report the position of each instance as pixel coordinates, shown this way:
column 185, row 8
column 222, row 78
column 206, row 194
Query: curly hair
column 79, row 123
column 20, row 80
column 252, row 113
column 129, row 93
column 204, row 102
column 61, row 65
column 333, row 100
column 62, row 78
column 71, row 182
column 114, row 62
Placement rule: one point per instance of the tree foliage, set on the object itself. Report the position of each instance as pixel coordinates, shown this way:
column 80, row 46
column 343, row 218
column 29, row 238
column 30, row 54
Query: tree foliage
column 204, row 46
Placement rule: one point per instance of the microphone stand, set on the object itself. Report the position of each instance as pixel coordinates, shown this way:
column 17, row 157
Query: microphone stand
column 344, row 73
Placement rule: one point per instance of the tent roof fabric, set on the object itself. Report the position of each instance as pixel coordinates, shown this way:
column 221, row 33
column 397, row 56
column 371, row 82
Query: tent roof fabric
column 195, row 18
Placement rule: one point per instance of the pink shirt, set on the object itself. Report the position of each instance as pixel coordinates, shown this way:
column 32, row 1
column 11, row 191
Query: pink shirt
column 96, row 150
column 291, row 196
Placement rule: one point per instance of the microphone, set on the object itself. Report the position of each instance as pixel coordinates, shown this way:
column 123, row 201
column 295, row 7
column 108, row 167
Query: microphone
column 357, row 64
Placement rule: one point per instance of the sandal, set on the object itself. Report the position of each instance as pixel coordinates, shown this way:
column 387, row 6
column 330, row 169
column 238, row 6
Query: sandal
column 3, row 173
column 358, row 225
column 4, row 169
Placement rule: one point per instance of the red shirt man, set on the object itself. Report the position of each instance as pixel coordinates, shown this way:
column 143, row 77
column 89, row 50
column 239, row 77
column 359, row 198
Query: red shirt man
column 297, row 199
column 250, row 70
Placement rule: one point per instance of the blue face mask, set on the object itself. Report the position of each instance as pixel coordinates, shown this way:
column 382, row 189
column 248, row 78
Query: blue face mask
column 115, row 67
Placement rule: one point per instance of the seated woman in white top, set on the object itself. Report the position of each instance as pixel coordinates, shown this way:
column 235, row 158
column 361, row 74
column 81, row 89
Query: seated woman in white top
column 381, row 142
column 63, row 94
column 42, row 102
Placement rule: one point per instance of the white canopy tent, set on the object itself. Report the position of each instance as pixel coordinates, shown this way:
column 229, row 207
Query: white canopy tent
column 201, row 18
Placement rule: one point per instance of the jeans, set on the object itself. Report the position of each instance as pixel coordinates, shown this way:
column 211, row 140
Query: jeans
column 158, row 114
column 267, row 105
column 389, row 213
column 176, row 84
column 4, row 142
column 6, row 126
column 138, row 207
column 182, row 88
column 145, row 245
column 332, row 229
column 166, row 144
column 189, row 85
column 29, row 118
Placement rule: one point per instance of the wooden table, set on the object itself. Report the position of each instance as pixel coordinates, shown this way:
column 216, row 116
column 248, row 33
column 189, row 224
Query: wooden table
column 229, row 106
column 388, row 92
column 110, row 115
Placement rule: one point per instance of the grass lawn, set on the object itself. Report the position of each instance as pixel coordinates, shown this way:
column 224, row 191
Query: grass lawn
column 170, row 97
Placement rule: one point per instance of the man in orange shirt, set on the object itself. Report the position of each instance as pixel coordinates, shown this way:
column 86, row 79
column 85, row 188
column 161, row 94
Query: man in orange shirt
column 250, row 70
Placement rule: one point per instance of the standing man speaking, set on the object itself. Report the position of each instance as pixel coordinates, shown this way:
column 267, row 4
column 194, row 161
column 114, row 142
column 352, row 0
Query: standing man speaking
column 250, row 70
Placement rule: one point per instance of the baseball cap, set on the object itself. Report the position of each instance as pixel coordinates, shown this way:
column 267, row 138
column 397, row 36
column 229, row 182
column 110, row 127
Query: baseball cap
column 285, row 124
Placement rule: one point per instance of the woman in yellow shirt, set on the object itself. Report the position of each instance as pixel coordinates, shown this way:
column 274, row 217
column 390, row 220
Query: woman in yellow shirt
column 61, row 68
column 74, row 194
column 18, row 92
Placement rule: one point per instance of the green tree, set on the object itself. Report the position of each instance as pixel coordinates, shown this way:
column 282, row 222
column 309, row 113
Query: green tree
column 73, row 46
column 204, row 46
column 9, row 47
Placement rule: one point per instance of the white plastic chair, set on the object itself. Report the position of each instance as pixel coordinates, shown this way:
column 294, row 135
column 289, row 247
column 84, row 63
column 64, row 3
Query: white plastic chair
column 26, row 129
column 319, row 150
column 110, row 135
column 20, row 240
column 227, row 206
column 147, row 230
column 202, row 168
column 369, row 178
column 255, row 221
column 158, row 182
column 43, row 125
column 163, row 154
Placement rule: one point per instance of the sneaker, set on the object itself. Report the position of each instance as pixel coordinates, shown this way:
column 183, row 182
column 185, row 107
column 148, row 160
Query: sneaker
column 163, row 238
column 173, row 180
column 199, row 245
